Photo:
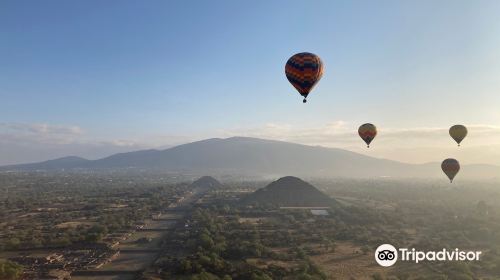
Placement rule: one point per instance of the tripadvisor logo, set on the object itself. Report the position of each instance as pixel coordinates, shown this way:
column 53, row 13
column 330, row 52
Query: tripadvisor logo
column 387, row 255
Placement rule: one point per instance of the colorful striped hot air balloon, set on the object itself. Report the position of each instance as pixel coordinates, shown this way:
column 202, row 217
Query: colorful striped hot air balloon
column 303, row 71
column 367, row 132
column 450, row 167
column 458, row 133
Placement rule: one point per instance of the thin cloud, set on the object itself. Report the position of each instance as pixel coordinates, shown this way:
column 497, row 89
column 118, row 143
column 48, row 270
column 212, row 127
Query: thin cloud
column 39, row 132
column 32, row 142
column 41, row 128
column 344, row 132
column 120, row 143
column 414, row 145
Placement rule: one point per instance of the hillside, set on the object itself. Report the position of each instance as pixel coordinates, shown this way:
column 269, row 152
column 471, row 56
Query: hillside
column 68, row 162
column 290, row 192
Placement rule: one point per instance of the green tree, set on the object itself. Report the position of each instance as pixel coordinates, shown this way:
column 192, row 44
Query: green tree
column 10, row 270
column 204, row 276
column 13, row 243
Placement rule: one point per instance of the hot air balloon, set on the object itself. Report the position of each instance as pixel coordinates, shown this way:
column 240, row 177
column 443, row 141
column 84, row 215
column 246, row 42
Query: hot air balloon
column 450, row 167
column 458, row 133
column 303, row 71
column 367, row 132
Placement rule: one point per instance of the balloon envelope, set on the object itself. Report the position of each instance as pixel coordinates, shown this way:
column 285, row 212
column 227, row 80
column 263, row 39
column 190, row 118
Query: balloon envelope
column 303, row 71
column 367, row 132
column 458, row 133
column 450, row 167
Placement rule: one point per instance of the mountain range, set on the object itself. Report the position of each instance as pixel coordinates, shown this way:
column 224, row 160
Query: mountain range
column 257, row 157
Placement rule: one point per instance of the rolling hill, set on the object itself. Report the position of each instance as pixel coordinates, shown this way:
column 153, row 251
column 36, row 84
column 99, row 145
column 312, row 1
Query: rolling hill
column 255, row 157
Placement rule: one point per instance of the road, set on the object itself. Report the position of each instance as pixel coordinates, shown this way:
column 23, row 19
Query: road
column 136, row 257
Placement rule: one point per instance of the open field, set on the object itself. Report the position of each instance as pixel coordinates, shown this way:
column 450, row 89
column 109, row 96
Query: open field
column 348, row 262
column 130, row 262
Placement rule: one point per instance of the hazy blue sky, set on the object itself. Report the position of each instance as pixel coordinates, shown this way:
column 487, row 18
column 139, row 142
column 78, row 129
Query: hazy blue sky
column 95, row 77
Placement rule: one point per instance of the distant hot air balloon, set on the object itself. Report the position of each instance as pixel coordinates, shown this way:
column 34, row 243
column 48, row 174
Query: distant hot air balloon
column 458, row 133
column 450, row 167
column 303, row 71
column 367, row 132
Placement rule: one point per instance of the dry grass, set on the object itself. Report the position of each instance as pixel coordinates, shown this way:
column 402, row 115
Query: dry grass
column 252, row 221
